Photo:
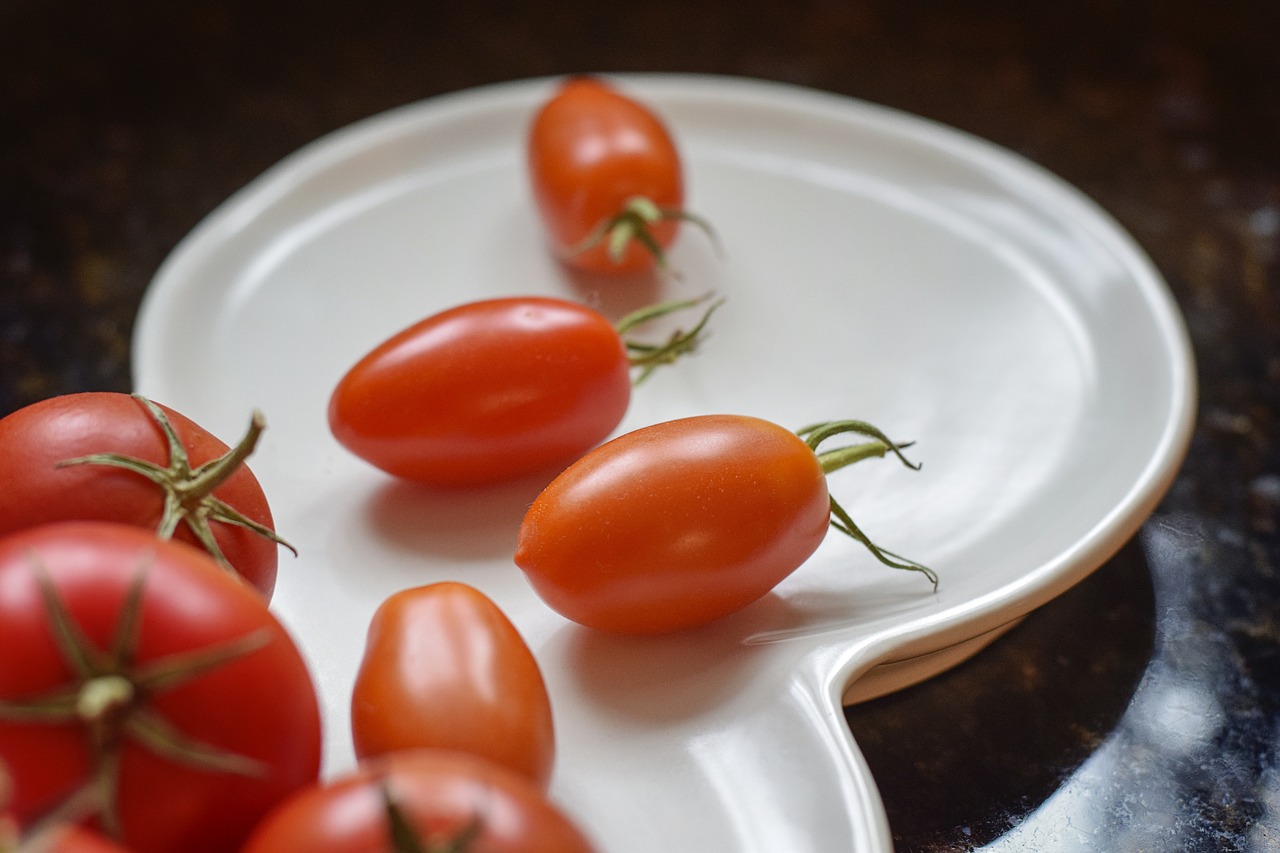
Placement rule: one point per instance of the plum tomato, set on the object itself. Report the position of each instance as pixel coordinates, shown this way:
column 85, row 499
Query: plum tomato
column 496, row 389
column 444, row 668
column 105, row 456
column 420, row 800
column 680, row 523
column 606, row 178
column 146, row 691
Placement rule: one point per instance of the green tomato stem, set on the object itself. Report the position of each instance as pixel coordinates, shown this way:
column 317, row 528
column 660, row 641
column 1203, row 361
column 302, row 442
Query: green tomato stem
column 635, row 223
column 843, row 457
column 835, row 459
column 647, row 357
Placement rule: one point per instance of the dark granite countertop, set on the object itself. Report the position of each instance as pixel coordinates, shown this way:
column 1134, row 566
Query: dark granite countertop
column 1138, row 712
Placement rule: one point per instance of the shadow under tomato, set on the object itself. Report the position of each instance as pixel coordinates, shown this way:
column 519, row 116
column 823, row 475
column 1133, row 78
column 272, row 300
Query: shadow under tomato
column 471, row 524
column 670, row 677
column 615, row 295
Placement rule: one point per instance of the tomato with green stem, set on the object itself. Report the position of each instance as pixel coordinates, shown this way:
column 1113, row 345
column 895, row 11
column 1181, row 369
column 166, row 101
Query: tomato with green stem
column 421, row 801
column 607, row 179
column 496, row 389
column 105, row 456
column 677, row 524
column 145, row 690
column 444, row 668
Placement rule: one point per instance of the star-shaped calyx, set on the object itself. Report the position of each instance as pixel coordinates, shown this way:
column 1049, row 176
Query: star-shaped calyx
column 109, row 695
column 188, row 491
column 634, row 222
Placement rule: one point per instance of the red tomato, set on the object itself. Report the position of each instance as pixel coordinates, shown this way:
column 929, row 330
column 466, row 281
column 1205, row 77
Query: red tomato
column 680, row 523
column 35, row 439
column 445, row 668
column 484, row 392
column 497, row 389
column 592, row 153
column 162, row 678
column 438, row 796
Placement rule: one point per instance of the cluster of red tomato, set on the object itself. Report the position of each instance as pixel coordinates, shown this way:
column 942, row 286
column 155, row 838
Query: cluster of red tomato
column 668, row 527
column 151, row 702
column 148, row 695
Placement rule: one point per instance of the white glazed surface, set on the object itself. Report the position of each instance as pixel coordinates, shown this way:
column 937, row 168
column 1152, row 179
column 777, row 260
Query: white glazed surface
column 875, row 266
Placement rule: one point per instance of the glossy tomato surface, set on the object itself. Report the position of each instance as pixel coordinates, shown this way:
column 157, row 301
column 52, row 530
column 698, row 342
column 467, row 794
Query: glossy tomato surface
column 484, row 392
column 445, row 668
column 592, row 149
column 250, row 707
column 34, row 439
column 674, row 525
column 442, row 796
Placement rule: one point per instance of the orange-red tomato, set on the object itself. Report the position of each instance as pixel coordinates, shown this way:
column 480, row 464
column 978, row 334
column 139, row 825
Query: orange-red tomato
column 676, row 524
column 444, row 668
column 178, row 693
column 591, row 151
column 485, row 391
column 679, row 523
column 37, row 490
column 439, row 797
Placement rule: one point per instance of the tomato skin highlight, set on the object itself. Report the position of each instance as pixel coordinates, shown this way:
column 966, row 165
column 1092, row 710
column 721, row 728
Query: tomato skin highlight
column 260, row 706
column 675, row 525
column 485, row 392
column 34, row 439
column 592, row 149
column 439, row 793
column 444, row 668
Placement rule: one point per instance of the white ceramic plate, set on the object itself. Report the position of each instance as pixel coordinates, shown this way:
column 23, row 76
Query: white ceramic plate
column 876, row 266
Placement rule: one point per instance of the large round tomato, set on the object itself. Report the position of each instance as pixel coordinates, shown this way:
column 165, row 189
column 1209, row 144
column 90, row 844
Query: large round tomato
column 677, row 524
column 485, row 391
column 606, row 178
column 445, row 668
column 38, row 489
column 141, row 667
column 438, row 797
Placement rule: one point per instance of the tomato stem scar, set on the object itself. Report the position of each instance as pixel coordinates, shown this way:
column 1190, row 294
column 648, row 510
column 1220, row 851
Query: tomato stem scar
column 103, row 696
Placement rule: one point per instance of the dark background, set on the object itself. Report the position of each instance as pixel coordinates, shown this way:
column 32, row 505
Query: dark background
column 1138, row 712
